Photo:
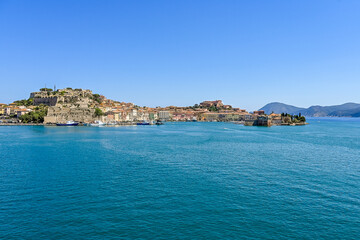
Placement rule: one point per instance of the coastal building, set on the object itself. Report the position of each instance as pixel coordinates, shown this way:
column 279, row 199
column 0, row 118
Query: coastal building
column 257, row 120
column 164, row 115
column 22, row 111
column 263, row 121
column 117, row 115
column 153, row 116
column 2, row 108
column 221, row 116
column 132, row 115
column 239, row 110
column 216, row 103
column 142, row 116
column 275, row 119
column 260, row 112
column 8, row 111
column 109, row 118
column 183, row 116
column 250, row 120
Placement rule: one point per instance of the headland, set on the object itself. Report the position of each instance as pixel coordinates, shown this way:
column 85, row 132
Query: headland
column 53, row 106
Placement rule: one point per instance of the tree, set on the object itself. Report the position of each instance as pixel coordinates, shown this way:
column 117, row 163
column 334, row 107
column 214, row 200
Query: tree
column 287, row 119
column 36, row 116
column 213, row 109
column 25, row 102
column 97, row 98
column 302, row 119
column 98, row 112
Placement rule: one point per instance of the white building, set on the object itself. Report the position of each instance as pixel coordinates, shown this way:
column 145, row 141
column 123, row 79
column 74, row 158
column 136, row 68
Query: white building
column 164, row 115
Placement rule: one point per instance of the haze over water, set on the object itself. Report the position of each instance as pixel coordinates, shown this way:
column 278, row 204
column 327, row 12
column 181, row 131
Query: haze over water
column 181, row 181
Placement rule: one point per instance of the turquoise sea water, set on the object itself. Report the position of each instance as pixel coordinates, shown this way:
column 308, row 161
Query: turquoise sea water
column 181, row 181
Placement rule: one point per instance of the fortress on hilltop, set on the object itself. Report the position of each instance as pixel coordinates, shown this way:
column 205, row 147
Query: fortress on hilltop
column 67, row 104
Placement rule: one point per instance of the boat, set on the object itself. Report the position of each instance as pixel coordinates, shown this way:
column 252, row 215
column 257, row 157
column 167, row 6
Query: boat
column 143, row 123
column 68, row 123
column 159, row 122
column 97, row 123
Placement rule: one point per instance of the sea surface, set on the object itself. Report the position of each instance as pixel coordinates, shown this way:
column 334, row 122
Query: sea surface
column 181, row 181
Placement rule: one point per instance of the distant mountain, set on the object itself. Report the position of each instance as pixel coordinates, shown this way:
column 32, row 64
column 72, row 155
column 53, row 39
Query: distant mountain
column 277, row 107
column 343, row 110
column 355, row 112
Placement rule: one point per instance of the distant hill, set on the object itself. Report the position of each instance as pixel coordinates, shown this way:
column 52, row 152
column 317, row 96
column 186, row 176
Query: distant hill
column 277, row 107
column 343, row 110
column 355, row 112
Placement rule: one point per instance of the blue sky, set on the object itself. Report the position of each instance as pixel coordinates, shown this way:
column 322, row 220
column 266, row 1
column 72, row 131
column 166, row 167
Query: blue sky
column 160, row 53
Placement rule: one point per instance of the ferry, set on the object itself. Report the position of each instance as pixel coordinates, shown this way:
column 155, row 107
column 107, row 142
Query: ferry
column 68, row 123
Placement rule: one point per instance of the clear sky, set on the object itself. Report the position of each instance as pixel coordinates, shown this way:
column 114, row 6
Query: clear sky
column 159, row 53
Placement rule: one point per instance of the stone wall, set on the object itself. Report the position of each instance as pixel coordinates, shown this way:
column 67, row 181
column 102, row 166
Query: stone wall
column 49, row 101
column 58, row 114
column 62, row 96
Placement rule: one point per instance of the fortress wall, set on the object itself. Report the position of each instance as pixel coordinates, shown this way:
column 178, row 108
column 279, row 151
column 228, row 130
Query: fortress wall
column 49, row 101
column 61, row 115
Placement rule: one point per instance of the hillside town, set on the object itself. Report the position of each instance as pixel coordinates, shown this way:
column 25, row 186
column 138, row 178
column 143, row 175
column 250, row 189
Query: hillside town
column 54, row 106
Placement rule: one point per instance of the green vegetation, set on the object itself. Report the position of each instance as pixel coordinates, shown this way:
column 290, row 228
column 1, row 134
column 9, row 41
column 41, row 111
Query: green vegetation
column 36, row 116
column 25, row 102
column 288, row 118
column 45, row 89
column 299, row 118
column 62, row 93
column 213, row 109
column 96, row 97
column 98, row 112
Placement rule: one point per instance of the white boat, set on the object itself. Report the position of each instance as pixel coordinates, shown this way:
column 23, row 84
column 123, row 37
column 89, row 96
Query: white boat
column 68, row 123
column 97, row 123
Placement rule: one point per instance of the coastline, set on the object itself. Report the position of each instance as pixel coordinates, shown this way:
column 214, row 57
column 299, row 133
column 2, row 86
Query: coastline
column 135, row 123
column 25, row 124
